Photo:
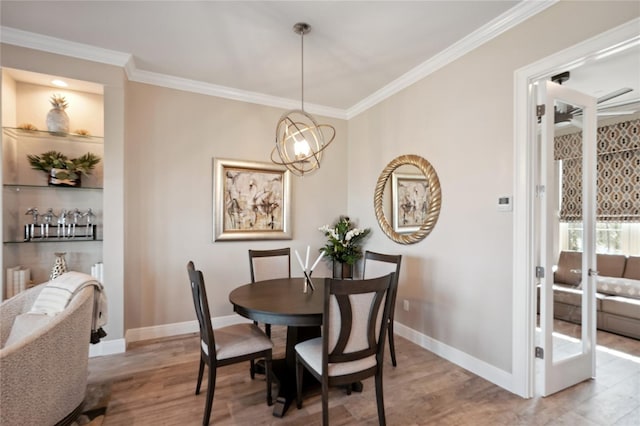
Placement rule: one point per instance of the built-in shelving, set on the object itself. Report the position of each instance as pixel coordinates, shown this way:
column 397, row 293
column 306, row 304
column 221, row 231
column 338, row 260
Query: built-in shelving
column 24, row 242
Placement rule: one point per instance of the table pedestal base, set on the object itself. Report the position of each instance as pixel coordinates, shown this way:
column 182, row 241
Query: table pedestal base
column 285, row 369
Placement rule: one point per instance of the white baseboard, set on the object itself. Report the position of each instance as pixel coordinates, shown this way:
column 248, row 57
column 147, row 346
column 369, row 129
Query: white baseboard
column 107, row 347
column 486, row 371
column 178, row 328
column 489, row 372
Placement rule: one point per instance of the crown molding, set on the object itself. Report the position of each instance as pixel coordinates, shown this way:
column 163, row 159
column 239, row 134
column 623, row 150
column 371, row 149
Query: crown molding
column 200, row 87
column 509, row 19
column 59, row 46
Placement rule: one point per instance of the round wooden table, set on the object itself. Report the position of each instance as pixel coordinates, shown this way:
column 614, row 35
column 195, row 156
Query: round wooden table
column 283, row 302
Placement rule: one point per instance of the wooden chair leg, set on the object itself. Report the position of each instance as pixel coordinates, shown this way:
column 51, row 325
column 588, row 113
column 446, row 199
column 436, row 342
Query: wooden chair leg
column 299, row 374
column 200, row 373
column 380, row 399
column 267, row 372
column 325, row 403
column 392, row 346
column 211, row 388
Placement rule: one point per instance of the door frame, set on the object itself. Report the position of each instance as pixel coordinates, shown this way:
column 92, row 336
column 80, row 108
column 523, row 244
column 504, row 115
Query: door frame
column 524, row 288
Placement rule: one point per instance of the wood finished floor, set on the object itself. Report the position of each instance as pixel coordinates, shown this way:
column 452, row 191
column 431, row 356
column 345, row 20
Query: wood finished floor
column 154, row 384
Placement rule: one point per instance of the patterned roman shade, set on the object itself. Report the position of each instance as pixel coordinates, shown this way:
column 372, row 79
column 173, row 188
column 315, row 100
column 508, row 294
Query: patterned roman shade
column 618, row 176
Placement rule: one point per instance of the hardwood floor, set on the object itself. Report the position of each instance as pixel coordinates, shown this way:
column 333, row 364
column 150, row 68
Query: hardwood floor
column 154, row 384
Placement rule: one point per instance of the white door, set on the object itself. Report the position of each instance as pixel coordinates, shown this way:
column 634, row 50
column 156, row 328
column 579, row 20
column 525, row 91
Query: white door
column 566, row 359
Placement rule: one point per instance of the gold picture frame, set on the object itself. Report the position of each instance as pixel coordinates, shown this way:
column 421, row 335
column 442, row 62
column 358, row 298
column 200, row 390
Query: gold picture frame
column 252, row 201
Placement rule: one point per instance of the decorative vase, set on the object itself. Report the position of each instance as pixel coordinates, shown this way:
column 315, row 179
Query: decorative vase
column 59, row 266
column 60, row 177
column 57, row 120
column 342, row 270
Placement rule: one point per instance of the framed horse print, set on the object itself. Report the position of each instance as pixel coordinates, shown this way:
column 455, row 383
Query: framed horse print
column 251, row 201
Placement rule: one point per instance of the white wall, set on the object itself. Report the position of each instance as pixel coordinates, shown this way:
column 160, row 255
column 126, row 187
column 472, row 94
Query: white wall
column 459, row 279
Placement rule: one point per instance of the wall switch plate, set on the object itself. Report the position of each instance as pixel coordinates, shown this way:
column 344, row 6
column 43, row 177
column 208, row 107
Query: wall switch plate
column 405, row 304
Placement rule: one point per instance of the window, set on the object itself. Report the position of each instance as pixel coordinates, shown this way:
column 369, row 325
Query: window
column 611, row 238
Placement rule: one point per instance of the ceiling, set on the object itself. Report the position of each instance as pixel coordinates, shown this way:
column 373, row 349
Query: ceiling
column 356, row 49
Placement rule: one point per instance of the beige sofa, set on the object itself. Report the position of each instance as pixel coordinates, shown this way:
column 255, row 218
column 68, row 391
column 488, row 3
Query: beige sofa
column 617, row 292
column 43, row 371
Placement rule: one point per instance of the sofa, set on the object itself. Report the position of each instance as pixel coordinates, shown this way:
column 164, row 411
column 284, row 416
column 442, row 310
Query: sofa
column 617, row 292
column 43, row 359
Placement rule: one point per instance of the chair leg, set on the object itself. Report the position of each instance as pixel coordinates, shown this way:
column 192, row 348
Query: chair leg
column 267, row 330
column 211, row 388
column 325, row 403
column 299, row 374
column 392, row 346
column 252, row 369
column 380, row 399
column 200, row 373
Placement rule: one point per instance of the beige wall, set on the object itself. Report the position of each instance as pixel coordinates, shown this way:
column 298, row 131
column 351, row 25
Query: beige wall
column 172, row 137
column 459, row 280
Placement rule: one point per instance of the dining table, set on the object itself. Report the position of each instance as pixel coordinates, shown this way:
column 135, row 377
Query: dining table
column 283, row 301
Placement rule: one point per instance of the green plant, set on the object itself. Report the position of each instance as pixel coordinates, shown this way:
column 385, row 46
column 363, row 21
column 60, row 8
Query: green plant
column 56, row 160
column 343, row 243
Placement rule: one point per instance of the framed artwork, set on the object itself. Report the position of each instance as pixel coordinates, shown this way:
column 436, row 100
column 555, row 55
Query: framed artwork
column 410, row 198
column 251, row 201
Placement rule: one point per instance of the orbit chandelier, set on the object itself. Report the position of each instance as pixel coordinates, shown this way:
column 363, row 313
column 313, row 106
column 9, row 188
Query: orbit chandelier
column 300, row 140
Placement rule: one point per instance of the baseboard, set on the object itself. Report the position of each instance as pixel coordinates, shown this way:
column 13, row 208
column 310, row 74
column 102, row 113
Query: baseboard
column 107, row 347
column 178, row 328
column 486, row 371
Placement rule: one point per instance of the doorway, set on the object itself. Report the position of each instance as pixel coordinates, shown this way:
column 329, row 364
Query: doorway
column 605, row 45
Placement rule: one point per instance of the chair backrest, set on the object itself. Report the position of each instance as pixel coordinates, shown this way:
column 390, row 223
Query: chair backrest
column 379, row 264
column 201, row 305
column 270, row 264
column 354, row 312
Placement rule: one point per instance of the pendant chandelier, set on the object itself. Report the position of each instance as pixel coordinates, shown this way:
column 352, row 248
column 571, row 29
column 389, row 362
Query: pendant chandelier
column 300, row 140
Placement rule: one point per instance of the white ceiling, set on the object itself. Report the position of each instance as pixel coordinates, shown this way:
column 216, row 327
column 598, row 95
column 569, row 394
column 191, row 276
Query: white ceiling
column 355, row 50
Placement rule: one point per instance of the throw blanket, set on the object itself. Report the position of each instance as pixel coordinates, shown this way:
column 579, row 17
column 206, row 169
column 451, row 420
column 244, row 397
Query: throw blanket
column 57, row 294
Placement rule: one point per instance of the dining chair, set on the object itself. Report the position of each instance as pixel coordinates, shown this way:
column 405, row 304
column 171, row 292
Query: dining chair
column 227, row 345
column 351, row 347
column 378, row 264
column 267, row 265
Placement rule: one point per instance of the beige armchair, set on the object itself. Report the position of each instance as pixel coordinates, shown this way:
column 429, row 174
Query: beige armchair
column 43, row 374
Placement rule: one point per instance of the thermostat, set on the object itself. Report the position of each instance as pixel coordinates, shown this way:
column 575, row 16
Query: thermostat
column 504, row 203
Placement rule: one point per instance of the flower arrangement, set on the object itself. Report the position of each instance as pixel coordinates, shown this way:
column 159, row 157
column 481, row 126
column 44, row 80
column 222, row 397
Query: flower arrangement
column 343, row 244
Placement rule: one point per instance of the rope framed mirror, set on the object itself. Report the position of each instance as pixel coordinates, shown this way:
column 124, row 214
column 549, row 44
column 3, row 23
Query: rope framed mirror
column 433, row 199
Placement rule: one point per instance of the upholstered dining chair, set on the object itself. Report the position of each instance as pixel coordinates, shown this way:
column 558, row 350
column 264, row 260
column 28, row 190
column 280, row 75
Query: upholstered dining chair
column 267, row 265
column 227, row 345
column 353, row 334
column 378, row 264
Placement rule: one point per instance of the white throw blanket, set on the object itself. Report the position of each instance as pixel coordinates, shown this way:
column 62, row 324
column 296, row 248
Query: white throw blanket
column 57, row 294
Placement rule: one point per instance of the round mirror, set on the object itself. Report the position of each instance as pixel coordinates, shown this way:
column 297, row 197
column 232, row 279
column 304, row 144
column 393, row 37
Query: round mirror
column 408, row 193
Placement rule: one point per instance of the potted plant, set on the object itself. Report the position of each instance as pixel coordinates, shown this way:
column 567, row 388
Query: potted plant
column 61, row 170
column 343, row 245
